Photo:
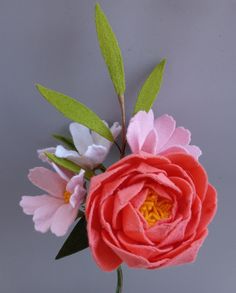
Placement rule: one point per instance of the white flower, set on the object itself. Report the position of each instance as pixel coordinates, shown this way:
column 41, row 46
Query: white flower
column 91, row 147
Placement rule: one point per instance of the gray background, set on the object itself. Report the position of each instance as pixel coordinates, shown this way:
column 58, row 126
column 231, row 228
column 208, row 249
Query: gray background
column 54, row 42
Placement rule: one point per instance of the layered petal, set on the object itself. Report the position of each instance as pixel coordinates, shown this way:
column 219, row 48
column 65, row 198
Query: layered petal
column 149, row 211
column 159, row 136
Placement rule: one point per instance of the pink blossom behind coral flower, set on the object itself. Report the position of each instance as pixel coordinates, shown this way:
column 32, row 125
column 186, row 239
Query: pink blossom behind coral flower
column 58, row 207
column 159, row 136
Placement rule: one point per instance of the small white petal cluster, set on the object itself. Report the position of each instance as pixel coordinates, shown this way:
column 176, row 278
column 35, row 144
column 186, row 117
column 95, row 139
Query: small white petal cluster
column 91, row 148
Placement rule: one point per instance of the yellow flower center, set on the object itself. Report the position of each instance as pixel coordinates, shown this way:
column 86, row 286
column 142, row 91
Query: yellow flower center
column 155, row 208
column 67, row 196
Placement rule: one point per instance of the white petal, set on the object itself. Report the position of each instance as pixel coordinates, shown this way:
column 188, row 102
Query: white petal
column 81, row 137
column 95, row 155
column 73, row 156
column 99, row 140
column 115, row 129
column 42, row 156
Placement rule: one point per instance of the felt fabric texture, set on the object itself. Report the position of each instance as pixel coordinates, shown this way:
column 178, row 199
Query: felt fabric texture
column 118, row 232
column 150, row 88
column 75, row 111
column 57, row 209
column 92, row 148
column 159, row 136
column 110, row 50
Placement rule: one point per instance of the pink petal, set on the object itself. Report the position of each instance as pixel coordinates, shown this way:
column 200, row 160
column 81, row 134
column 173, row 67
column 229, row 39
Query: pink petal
column 181, row 136
column 75, row 180
column 150, row 144
column 138, row 130
column 47, row 181
column 193, row 150
column 77, row 197
column 165, row 126
column 43, row 216
column 173, row 149
column 63, row 219
column 62, row 172
column 29, row 204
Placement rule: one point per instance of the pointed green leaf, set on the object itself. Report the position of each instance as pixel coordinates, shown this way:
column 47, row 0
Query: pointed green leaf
column 68, row 165
column 76, row 111
column 110, row 50
column 150, row 89
column 77, row 240
column 65, row 140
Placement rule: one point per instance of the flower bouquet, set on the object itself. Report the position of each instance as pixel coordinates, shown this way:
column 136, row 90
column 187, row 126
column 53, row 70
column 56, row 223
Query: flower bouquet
column 151, row 208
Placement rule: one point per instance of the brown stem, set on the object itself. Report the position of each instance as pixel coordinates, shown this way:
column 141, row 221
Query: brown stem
column 122, row 106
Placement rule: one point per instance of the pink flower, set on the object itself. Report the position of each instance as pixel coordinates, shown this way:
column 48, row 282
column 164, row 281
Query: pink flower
column 159, row 136
column 58, row 207
column 149, row 211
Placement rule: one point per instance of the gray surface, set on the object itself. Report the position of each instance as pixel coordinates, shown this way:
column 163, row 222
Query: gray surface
column 54, row 42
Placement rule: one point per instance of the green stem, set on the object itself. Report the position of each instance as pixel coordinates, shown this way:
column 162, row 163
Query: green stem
column 123, row 118
column 119, row 285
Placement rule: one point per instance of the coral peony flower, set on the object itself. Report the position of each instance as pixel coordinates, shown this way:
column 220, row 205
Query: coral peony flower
column 92, row 148
column 159, row 136
column 58, row 207
column 149, row 211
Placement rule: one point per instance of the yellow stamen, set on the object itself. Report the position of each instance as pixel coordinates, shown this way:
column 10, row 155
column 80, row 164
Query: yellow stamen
column 155, row 208
column 67, row 196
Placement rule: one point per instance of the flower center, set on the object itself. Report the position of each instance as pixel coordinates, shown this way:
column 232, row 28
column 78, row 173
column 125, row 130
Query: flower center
column 155, row 208
column 67, row 196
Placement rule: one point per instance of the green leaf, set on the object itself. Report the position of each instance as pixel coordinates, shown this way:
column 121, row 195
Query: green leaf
column 150, row 89
column 75, row 111
column 110, row 50
column 65, row 140
column 68, row 165
column 64, row 163
column 77, row 240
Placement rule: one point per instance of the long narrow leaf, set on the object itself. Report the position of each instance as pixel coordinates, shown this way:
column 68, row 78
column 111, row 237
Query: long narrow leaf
column 77, row 240
column 150, row 89
column 110, row 50
column 76, row 111
column 68, row 165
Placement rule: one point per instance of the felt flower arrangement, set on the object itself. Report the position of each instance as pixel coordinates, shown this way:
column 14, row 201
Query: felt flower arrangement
column 150, row 209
